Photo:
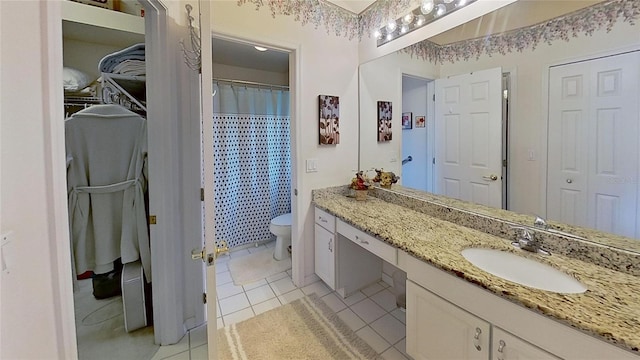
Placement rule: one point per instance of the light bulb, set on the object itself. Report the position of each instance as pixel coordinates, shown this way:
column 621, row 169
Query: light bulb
column 420, row 20
column 389, row 37
column 404, row 29
column 426, row 7
column 440, row 10
column 391, row 26
column 407, row 19
column 462, row 3
column 377, row 34
column 260, row 48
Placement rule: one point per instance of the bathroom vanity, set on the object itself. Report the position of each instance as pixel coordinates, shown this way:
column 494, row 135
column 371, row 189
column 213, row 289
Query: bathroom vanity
column 457, row 310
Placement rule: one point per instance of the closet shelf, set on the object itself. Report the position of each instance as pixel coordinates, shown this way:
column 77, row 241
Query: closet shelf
column 103, row 18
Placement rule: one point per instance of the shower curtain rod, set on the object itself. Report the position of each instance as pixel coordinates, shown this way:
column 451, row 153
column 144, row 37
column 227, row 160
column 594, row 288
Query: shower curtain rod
column 251, row 83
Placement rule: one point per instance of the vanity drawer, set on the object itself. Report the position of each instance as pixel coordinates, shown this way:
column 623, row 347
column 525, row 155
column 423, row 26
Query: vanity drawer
column 325, row 220
column 386, row 252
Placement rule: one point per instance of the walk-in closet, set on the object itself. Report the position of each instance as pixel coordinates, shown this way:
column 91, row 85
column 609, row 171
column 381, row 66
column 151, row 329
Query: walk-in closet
column 106, row 147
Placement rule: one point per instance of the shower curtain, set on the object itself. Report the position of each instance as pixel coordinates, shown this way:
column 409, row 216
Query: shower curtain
column 251, row 161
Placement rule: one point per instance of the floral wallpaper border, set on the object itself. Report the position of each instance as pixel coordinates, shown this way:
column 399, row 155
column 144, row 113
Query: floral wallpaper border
column 335, row 19
column 587, row 21
column 346, row 23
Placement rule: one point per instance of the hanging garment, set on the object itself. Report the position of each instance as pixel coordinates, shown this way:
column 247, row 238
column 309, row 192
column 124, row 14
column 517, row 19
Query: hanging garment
column 106, row 180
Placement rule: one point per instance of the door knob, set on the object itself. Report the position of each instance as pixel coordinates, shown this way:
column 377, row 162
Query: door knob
column 569, row 181
column 222, row 247
column 492, row 177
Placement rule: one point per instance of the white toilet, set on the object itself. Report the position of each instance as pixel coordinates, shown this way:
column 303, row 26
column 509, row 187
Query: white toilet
column 281, row 228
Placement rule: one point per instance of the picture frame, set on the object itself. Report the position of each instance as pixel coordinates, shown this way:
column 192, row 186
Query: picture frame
column 420, row 121
column 329, row 121
column 385, row 119
column 407, row 119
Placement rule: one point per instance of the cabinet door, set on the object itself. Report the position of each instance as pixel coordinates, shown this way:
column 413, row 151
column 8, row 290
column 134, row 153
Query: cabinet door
column 325, row 255
column 510, row 347
column 437, row 329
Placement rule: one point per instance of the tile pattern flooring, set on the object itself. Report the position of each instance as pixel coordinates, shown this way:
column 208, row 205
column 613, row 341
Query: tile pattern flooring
column 371, row 313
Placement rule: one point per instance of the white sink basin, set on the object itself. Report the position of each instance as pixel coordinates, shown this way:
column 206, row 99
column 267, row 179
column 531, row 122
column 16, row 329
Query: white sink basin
column 523, row 271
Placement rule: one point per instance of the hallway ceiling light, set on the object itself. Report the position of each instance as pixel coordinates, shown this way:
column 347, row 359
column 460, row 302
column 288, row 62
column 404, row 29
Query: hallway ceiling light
column 260, row 48
column 418, row 17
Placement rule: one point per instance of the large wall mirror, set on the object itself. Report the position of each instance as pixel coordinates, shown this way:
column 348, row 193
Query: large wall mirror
column 568, row 128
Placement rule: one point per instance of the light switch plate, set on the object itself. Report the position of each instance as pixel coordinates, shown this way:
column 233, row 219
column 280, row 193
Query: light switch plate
column 312, row 165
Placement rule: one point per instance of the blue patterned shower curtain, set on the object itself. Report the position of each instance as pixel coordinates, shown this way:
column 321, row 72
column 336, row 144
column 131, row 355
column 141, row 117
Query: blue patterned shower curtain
column 252, row 163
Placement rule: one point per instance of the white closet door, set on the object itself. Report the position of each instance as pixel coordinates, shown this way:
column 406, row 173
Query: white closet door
column 567, row 158
column 469, row 137
column 593, row 143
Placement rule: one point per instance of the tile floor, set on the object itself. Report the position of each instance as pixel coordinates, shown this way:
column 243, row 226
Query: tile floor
column 371, row 313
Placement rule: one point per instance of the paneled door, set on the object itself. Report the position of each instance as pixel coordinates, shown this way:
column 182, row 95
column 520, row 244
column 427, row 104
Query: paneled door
column 593, row 143
column 468, row 131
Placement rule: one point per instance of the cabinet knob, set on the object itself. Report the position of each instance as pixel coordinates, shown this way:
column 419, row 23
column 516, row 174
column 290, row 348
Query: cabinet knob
column 501, row 346
column 476, row 339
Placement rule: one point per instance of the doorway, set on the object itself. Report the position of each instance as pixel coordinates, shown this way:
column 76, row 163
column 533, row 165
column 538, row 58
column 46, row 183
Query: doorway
column 247, row 72
column 93, row 78
column 417, row 139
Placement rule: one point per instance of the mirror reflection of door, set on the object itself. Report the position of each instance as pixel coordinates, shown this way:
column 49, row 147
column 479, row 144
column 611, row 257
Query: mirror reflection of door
column 469, row 137
column 593, row 143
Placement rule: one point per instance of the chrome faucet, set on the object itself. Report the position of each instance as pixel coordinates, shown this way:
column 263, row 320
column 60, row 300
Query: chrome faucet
column 540, row 223
column 526, row 240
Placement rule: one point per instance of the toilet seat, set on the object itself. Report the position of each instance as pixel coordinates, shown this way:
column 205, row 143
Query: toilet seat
column 282, row 220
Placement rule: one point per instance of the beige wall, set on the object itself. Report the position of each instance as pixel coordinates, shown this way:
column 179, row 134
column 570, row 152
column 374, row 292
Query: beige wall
column 528, row 116
column 328, row 66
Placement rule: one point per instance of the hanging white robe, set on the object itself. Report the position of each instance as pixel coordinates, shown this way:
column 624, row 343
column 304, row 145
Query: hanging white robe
column 106, row 182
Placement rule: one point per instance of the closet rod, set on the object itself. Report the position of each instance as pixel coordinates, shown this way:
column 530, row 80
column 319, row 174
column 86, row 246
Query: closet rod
column 251, row 83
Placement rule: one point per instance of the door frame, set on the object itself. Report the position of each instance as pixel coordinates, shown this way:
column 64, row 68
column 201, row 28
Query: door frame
column 168, row 322
column 429, row 83
column 298, row 245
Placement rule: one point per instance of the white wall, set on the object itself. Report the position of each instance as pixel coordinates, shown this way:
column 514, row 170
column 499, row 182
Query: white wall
column 327, row 66
column 381, row 80
column 528, row 103
column 32, row 313
column 414, row 140
column 85, row 56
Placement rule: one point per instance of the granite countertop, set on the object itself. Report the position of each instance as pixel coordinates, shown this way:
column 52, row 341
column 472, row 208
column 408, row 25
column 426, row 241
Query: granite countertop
column 609, row 309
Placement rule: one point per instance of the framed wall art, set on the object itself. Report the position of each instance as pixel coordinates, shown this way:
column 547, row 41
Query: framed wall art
column 420, row 122
column 407, row 120
column 329, row 120
column 384, row 121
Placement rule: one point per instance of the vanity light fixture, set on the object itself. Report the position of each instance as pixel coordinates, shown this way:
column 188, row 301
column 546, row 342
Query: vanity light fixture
column 427, row 12
column 260, row 48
